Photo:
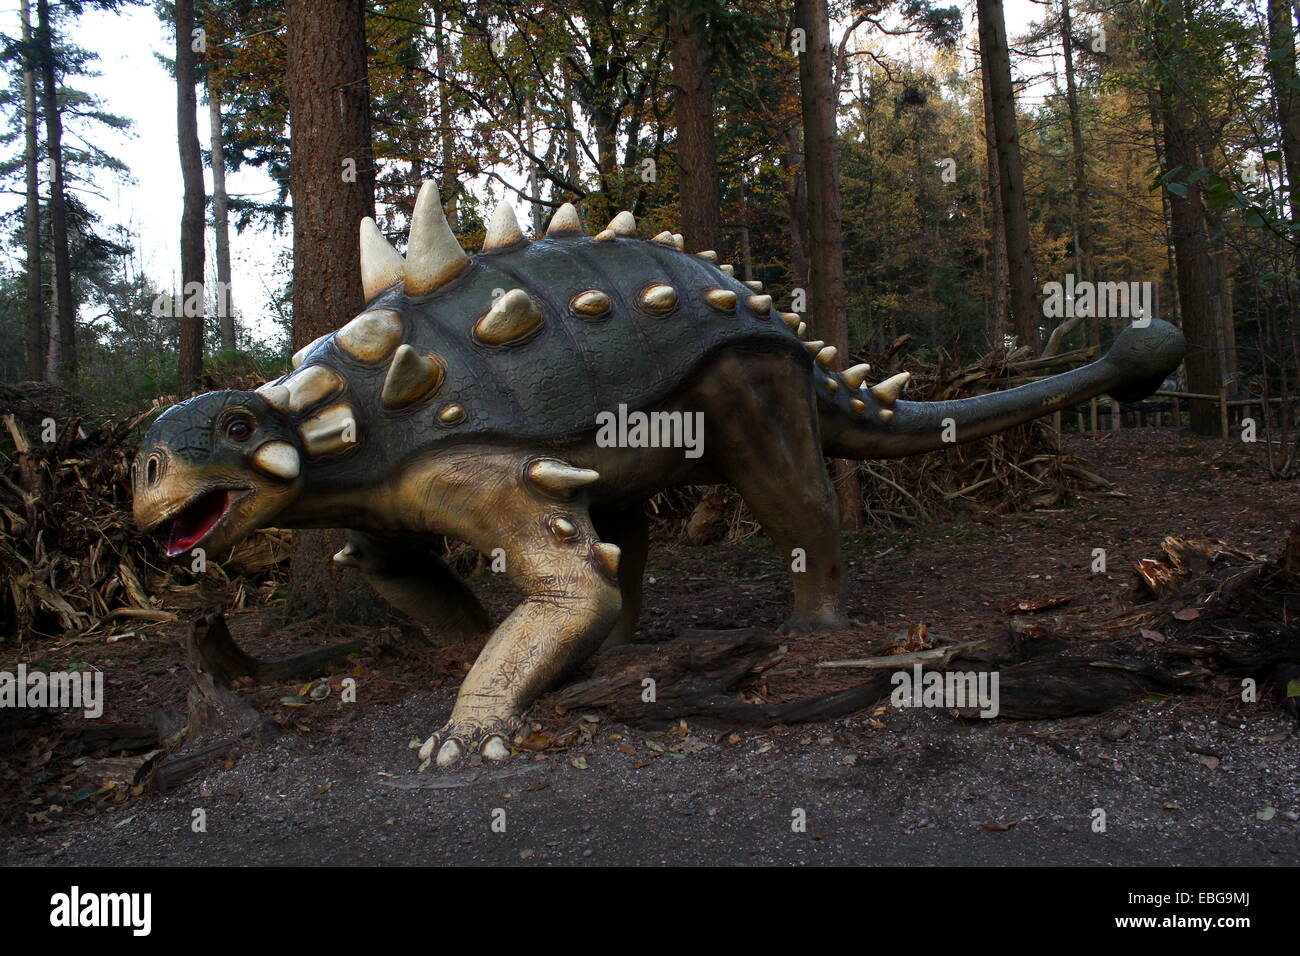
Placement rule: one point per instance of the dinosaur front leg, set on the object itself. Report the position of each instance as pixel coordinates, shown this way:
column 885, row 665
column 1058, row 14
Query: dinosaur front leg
column 408, row 575
column 627, row 530
column 571, row 600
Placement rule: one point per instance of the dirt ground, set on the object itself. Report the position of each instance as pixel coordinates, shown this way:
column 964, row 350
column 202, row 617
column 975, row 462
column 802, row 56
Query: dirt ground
column 1193, row 779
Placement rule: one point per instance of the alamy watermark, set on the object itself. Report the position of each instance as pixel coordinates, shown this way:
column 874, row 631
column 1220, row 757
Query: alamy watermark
column 959, row 689
column 637, row 429
column 1104, row 300
column 75, row 690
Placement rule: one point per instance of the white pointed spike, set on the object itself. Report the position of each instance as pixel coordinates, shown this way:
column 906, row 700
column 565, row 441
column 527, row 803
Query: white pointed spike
column 558, row 478
column 381, row 264
column 889, row 390
column 827, row 355
column 855, row 375
column 433, row 256
column 278, row 458
column 624, row 224
column 565, row 220
column 504, row 230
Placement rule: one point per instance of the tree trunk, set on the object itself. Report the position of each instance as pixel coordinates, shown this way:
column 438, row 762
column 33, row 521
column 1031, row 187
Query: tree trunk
column 331, row 177
column 221, row 223
column 1187, row 231
column 446, row 134
column 35, row 310
column 697, row 156
column 826, row 253
column 996, row 62
column 1282, row 72
column 998, row 275
column 192, row 212
column 63, row 360
column 1082, row 214
column 796, row 196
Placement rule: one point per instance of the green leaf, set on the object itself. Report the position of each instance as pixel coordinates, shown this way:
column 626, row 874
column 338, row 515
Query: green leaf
column 1266, row 814
column 1293, row 687
column 1178, row 189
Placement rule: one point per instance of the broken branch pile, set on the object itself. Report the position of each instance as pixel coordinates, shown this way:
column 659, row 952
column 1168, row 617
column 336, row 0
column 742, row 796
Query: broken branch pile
column 71, row 558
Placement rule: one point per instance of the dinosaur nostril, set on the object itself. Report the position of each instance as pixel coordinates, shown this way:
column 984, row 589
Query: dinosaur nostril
column 151, row 471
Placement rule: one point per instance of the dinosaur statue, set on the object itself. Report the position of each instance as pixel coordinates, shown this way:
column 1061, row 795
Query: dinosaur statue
column 464, row 402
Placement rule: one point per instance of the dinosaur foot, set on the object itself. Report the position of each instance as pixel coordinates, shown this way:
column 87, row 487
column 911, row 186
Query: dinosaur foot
column 489, row 736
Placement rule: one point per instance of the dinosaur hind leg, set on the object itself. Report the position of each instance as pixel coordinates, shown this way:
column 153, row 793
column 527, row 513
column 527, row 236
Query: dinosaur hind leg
column 770, row 451
column 409, row 576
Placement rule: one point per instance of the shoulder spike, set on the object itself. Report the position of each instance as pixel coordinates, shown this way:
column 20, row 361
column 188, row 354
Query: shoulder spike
column 504, row 230
column 762, row 304
column 381, row 264
column 410, row 377
column 827, row 355
column 559, row 479
column 708, row 255
column 512, row 317
column 328, row 431
column 665, row 238
column 624, row 224
column 565, row 220
column 276, row 395
column 727, row 270
column 608, row 555
column 679, row 241
column 791, row 319
column 754, row 284
column 814, row 347
column 433, row 256
column 724, row 300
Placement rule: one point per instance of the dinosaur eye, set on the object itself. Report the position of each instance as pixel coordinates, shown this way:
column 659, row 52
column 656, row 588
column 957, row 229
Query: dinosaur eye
column 239, row 430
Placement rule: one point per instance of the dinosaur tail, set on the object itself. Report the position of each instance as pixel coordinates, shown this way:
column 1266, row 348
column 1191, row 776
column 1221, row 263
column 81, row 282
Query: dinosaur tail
column 1135, row 365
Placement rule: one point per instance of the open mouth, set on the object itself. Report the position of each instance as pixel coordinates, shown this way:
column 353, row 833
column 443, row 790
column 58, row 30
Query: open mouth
column 197, row 519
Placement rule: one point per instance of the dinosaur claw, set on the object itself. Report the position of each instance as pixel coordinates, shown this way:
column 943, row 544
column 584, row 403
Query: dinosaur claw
column 448, row 753
column 495, row 749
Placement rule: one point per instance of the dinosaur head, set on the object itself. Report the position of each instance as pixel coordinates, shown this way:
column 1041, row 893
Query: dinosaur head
column 215, row 468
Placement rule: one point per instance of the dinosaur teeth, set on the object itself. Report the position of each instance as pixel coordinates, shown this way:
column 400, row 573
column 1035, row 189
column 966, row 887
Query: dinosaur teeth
column 827, row 355
column 559, row 479
column 761, row 304
column 504, row 230
column 381, row 264
column 311, row 386
column 513, row 317
column 724, row 300
column 410, row 377
column 278, row 458
column 433, row 256
column 330, row 430
column 889, row 390
column 858, row 405
column 565, row 220
column 814, row 347
column 591, row 304
column 708, row 255
column 608, row 555
column 856, row 375
column 300, row 356
column 791, row 319
column 624, row 224
column 756, row 286
column 371, row 336
column 659, row 298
